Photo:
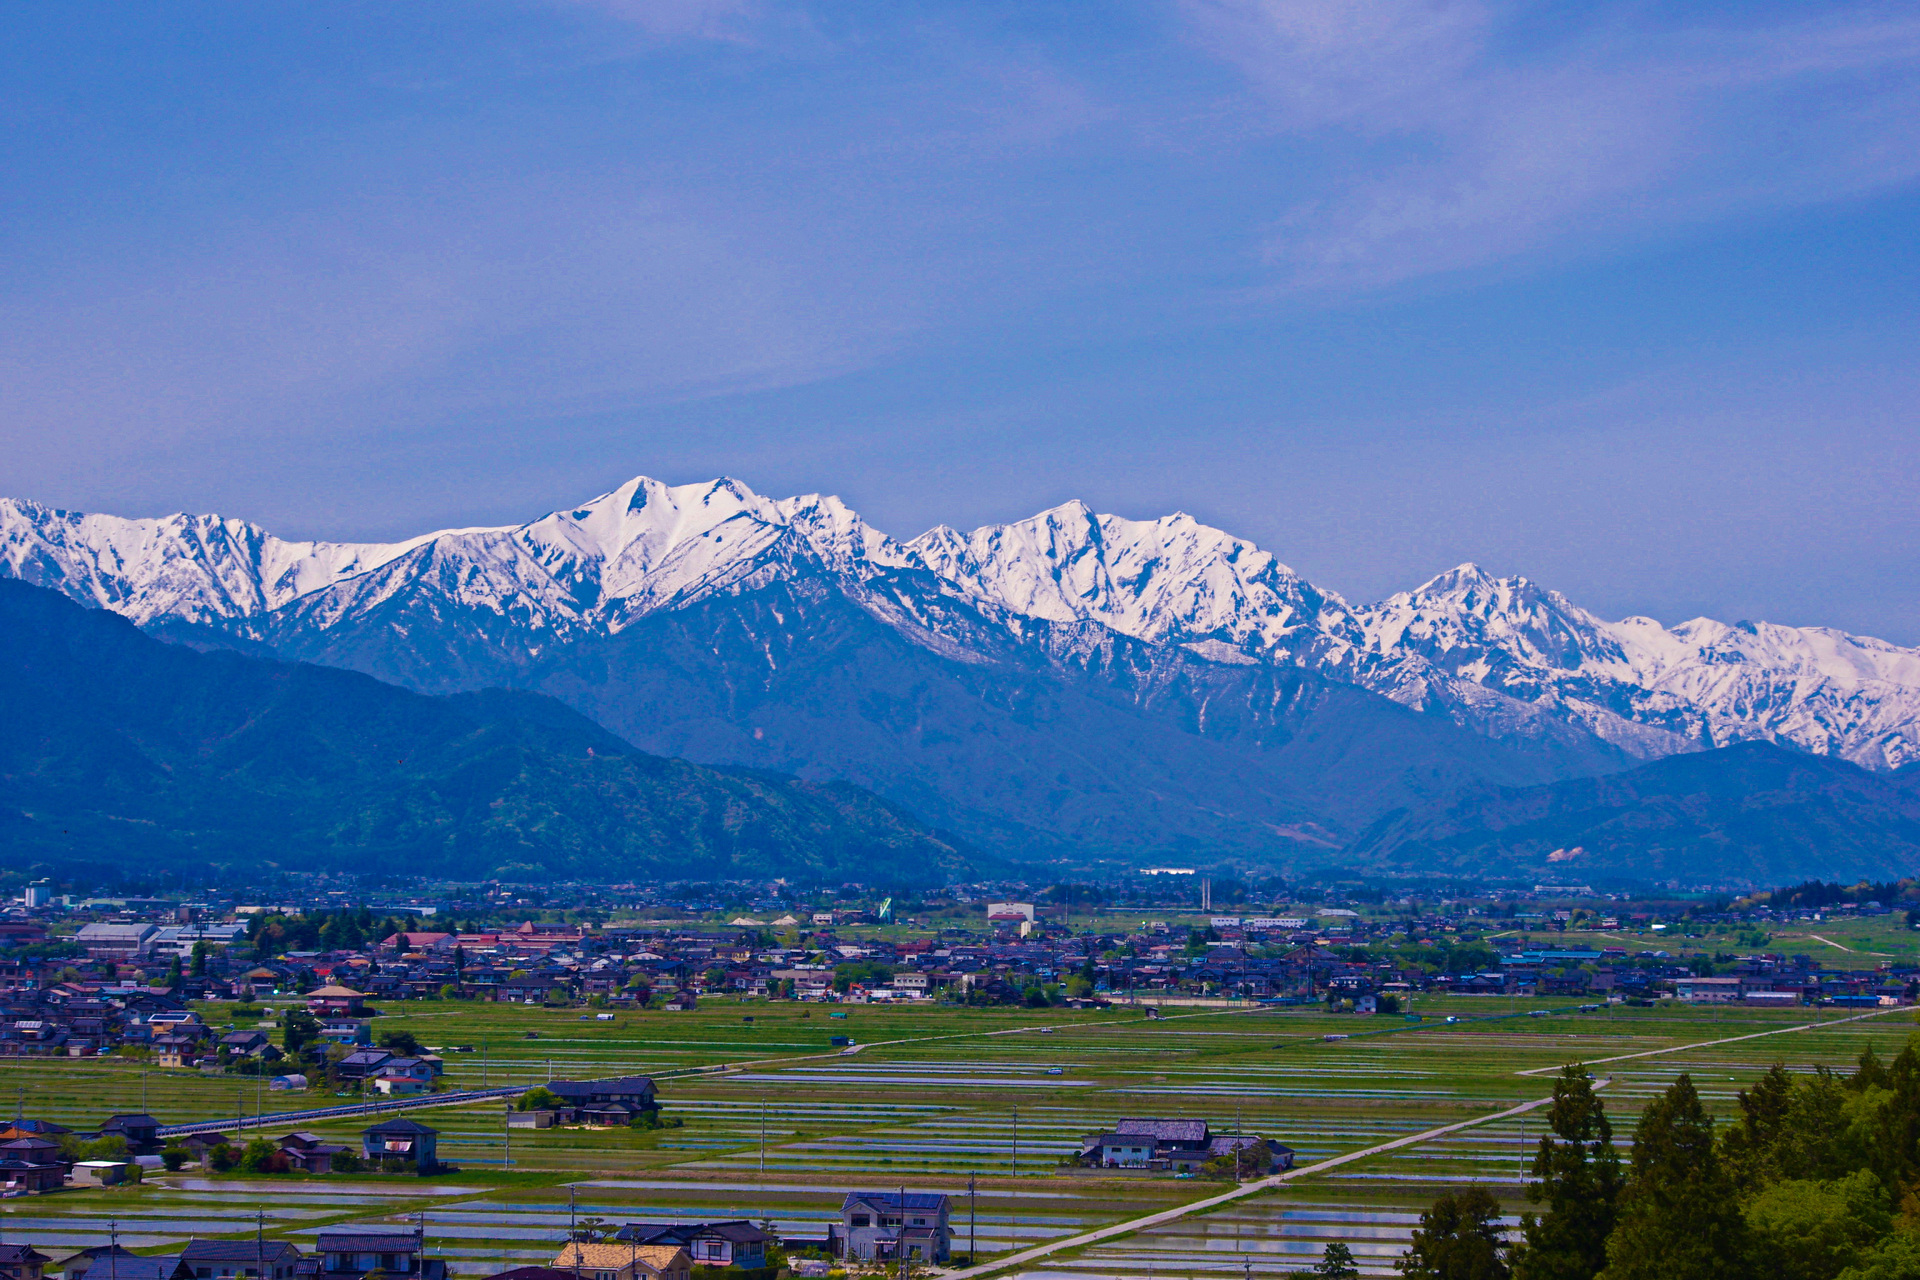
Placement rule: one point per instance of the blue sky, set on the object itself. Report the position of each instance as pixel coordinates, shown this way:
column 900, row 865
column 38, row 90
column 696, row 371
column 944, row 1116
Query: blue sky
column 1618, row 296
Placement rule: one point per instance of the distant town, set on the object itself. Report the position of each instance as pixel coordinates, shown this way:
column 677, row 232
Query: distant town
column 95, row 975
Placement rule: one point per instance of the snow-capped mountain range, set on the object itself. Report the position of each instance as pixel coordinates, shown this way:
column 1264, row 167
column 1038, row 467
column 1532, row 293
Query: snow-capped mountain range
column 1502, row 656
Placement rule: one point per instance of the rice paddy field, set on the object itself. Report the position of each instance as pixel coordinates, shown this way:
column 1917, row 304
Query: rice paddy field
column 980, row 1104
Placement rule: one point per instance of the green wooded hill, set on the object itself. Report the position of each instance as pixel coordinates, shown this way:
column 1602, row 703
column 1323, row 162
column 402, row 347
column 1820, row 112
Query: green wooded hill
column 119, row 749
column 1753, row 813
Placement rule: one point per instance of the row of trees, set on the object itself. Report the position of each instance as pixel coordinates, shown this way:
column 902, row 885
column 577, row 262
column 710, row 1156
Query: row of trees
column 348, row 929
column 1818, row 1179
column 1819, row 893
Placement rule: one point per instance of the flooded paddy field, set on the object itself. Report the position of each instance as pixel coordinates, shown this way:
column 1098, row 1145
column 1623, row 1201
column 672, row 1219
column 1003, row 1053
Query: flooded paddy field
column 988, row 1106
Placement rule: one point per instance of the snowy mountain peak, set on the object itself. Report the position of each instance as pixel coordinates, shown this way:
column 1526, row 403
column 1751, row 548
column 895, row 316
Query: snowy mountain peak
column 1465, row 617
column 1503, row 655
column 197, row 567
column 1700, row 683
column 1167, row 580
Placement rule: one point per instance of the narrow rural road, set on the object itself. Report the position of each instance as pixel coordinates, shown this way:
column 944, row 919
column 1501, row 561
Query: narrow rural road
column 1227, row 1197
column 1254, row 1188
column 1708, row 1044
column 275, row 1119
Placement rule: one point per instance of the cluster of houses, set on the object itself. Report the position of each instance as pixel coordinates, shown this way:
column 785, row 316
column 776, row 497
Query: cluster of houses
column 872, row 1227
column 32, row 1159
column 130, row 992
column 337, row 1254
column 35, row 1158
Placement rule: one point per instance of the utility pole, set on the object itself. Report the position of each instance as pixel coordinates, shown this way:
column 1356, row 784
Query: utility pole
column 260, row 1244
column 573, row 1234
column 900, row 1249
column 1014, row 1228
column 763, row 1139
column 973, row 1224
column 506, row 1142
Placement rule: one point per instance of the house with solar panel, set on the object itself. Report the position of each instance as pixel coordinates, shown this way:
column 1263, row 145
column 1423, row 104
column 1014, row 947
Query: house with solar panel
column 881, row 1226
column 1177, row 1146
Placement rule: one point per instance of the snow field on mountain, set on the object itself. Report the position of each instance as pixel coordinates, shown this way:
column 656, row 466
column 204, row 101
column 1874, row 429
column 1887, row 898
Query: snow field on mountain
column 1502, row 656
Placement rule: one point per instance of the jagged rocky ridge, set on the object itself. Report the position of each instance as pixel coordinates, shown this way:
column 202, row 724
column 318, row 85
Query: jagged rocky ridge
column 685, row 618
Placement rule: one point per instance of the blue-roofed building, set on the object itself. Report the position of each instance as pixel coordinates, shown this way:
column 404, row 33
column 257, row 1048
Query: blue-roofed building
column 123, row 1266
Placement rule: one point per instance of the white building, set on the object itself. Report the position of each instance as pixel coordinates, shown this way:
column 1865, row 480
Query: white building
column 117, row 941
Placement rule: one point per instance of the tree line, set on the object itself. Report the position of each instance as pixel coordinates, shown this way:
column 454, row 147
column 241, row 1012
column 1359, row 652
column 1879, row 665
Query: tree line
column 1817, row 1178
column 348, row 929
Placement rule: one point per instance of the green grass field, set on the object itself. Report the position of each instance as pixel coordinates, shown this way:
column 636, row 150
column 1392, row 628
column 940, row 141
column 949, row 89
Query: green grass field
column 938, row 1096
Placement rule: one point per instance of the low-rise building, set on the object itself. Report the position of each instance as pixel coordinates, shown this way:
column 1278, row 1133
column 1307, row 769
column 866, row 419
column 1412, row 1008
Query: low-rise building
column 624, row 1262
column 306, row 1151
column 141, row 1131
column 100, row 1173
column 74, row 1266
column 395, row 1254
column 21, row 1262
column 1709, row 990
column 240, row 1259
column 879, row 1226
column 619, row 1101
column 737, row 1243
column 403, row 1140
column 1135, row 1143
column 336, row 1002
column 116, row 1266
column 117, row 941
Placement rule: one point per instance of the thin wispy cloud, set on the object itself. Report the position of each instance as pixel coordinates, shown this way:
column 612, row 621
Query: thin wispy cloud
column 1454, row 140
column 343, row 268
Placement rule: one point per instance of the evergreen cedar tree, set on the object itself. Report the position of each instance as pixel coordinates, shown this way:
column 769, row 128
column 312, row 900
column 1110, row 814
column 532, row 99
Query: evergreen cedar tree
column 1577, row 1175
column 1336, row 1264
column 1818, row 1178
column 1679, row 1216
column 1459, row 1238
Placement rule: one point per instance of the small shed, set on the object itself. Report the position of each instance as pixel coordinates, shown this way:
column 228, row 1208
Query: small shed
column 100, row 1173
